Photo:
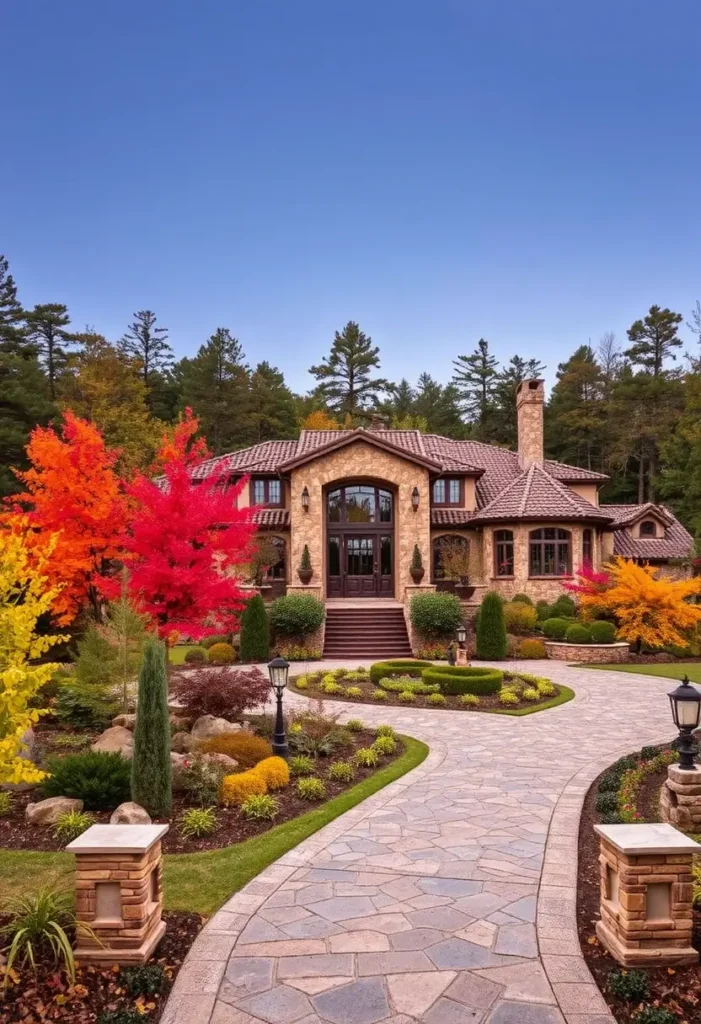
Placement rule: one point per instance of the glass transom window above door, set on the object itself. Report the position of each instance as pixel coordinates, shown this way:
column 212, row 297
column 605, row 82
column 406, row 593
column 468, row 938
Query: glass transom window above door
column 359, row 503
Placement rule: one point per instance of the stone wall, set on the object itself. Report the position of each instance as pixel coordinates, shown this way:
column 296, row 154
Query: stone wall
column 360, row 461
column 529, row 414
column 594, row 654
column 540, row 588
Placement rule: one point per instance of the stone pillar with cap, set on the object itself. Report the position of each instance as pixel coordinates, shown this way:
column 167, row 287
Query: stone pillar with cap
column 646, row 894
column 680, row 798
column 119, row 893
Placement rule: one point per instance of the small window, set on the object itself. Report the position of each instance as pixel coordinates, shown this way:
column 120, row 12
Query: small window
column 447, row 492
column 648, row 528
column 503, row 553
column 267, row 492
column 587, row 547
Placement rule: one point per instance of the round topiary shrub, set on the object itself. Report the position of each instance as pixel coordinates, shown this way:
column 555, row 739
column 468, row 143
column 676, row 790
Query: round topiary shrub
column 577, row 634
column 220, row 654
column 255, row 638
column 435, row 616
column 210, row 641
column 555, row 629
column 519, row 617
column 197, row 656
column 602, row 632
column 522, row 598
column 464, row 679
column 387, row 669
column 532, row 649
column 565, row 608
column 491, row 631
column 544, row 611
column 297, row 615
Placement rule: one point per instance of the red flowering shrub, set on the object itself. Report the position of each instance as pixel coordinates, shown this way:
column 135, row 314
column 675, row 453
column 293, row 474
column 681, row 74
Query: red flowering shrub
column 222, row 692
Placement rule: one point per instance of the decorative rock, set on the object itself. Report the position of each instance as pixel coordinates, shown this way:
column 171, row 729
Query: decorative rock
column 47, row 812
column 208, row 726
column 126, row 721
column 181, row 742
column 680, row 799
column 222, row 761
column 179, row 722
column 117, row 739
column 130, row 813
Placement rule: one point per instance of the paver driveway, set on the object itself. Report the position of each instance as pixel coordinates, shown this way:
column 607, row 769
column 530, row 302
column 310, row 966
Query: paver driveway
column 448, row 897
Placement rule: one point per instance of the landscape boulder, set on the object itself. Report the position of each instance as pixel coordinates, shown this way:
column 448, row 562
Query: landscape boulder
column 207, row 726
column 47, row 812
column 126, row 721
column 181, row 742
column 130, row 813
column 222, row 761
column 116, row 739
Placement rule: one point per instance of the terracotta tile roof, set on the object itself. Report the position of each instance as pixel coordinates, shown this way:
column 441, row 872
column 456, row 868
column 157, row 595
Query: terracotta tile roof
column 676, row 543
column 535, row 494
column 266, row 457
column 626, row 514
column 277, row 517
column 404, row 442
column 451, row 516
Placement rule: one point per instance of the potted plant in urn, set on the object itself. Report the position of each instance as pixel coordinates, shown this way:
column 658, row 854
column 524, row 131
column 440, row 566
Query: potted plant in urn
column 416, row 569
column 305, row 571
column 456, row 566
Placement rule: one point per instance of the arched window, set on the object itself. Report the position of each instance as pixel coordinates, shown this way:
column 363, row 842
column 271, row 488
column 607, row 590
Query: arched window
column 549, row 552
column 503, row 553
column 648, row 528
column 587, row 547
column 359, row 503
column 451, row 558
column 277, row 570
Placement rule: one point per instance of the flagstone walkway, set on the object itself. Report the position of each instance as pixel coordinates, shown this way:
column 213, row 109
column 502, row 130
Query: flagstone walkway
column 446, row 898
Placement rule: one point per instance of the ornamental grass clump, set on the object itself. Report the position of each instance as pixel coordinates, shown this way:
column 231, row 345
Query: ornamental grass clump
column 39, row 921
column 385, row 730
column 311, row 789
column 436, row 699
column 380, row 695
column 530, row 694
column 72, row 824
column 491, row 630
column 366, row 757
column 151, row 782
column 508, row 698
column 341, row 771
column 332, row 687
column 261, row 807
column 301, row 765
column 354, row 724
column 406, row 697
column 198, row 822
column 353, row 691
column 469, row 700
column 385, row 745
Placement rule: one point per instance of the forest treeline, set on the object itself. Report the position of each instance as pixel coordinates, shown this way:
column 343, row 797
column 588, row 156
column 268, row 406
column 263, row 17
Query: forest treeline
column 631, row 410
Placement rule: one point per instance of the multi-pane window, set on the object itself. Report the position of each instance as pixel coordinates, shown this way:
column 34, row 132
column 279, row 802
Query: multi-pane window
column 267, row 492
column 587, row 547
column 358, row 504
column 277, row 571
column 549, row 552
column 447, row 492
column 648, row 528
column 503, row 553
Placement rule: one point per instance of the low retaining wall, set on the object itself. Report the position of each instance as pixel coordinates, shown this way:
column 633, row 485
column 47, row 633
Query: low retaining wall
column 591, row 653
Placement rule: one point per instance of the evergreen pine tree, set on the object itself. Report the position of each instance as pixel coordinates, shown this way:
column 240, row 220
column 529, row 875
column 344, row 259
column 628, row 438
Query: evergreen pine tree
column 271, row 406
column 503, row 427
column 151, row 782
column 12, row 332
column 344, row 380
column 438, row 407
column 47, row 328
column 255, row 636
column 575, row 412
column 654, row 339
column 491, row 632
column 215, row 385
column 474, row 377
column 149, row 346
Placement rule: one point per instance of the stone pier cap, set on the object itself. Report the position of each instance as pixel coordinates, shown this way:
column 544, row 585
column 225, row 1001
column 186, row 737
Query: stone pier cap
column 646, row 840
column 110, row 839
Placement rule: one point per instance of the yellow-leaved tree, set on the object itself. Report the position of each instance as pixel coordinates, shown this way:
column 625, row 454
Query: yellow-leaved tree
column 650, row 611
column 24, row 596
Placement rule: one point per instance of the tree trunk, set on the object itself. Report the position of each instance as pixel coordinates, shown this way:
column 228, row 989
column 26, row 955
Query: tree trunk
column 641, row 480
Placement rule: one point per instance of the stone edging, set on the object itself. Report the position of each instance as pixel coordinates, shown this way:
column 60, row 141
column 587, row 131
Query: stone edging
column 577, row 993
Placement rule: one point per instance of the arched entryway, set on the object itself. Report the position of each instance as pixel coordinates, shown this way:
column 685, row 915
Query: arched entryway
column 360, row 518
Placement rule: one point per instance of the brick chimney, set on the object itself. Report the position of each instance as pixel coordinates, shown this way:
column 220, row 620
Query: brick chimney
column 530, row 397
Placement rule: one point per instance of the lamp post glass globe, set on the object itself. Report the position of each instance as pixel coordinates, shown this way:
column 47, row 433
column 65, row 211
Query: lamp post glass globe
column 305, row 499
column 278, row 670
column 686, row 711
column 461, row 634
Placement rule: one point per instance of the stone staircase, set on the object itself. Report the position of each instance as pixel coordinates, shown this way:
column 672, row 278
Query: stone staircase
column 371, row 629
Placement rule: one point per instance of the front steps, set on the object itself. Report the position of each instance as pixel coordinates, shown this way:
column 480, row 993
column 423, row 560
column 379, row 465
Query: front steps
column 375, row 631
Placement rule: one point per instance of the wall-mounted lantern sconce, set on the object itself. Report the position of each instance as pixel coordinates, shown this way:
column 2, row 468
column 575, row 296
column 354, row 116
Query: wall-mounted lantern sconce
column 415, row 499
column 305, row 499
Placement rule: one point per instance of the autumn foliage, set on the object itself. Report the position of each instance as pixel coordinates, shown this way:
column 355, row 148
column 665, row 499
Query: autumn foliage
column 650, row 612
column 184, row 542
column 73, row 492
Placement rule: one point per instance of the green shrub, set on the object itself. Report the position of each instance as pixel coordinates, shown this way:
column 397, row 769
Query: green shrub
column 544, row 610
column 469, row 700
column 633, row 986
column 465, row 679
column 379, row 695
column 655, row 1015
column 555, row 629
column 530, row 694
column 602, row 632
column 577, row 634
column 311, row 789
column 5, row 803
column 402, row 667
column 301, row 765
column 145, row 980
column 437, row 699
column 220, row 654
column 341, row 771
column 198, row 822
column 532, row 649
column 435, row 616
column 403, row 685
column 305, row 562
column 210, row 641
column 491, row 631
column 545, row 688
column 332, row 687
column 85, row 705
column 72, row 824
column 298, row 652
column 260, row 807
column 354, row 691
column 519, row 618
column 297, row 615
column 354, row 724
column 385, row 730
column 416, row 559
column 565, row 607
column 367, row 757
column 386, row 745
column 151, row 782
column 99, row 779
column 255, row 637
column 508, row 698
column 523, row 598
column 302, row 683
column 196, row 656
column 406, row 697
column 607, row 801
column 647, row 753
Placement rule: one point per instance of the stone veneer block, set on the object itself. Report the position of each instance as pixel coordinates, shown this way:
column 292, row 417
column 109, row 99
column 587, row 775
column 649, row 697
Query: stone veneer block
column 646, row 894
column 680, row 799
column 604, row 654
column 119, row 893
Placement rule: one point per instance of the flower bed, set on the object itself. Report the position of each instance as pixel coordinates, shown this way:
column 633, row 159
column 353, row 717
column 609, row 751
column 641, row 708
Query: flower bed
column 589, row 653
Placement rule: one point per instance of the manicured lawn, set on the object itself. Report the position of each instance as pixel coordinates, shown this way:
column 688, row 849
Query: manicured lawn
column 670, row 670
column 177, row 654
column 201, row 882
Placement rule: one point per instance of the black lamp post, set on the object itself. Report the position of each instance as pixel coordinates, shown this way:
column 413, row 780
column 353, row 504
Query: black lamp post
column 461, row 634
column 278, row 670
column 686, row 710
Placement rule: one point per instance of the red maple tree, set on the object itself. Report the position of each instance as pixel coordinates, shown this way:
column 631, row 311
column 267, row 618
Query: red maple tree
column 184, row 541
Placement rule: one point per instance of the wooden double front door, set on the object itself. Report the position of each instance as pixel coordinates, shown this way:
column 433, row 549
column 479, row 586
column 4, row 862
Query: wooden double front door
column 360, row 565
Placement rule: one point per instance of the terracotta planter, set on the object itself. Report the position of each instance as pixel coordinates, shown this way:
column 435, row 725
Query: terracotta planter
column 464, row 592
column 417, row 575
column 305, row 575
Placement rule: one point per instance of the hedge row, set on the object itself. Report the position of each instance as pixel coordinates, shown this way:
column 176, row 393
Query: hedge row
column 387, row 669
column 464, row 679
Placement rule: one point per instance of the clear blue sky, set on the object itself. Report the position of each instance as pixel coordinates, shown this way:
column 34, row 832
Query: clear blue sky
column 525, row 170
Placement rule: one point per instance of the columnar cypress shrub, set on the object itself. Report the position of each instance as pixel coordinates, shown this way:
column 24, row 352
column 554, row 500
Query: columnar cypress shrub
column 150, row 766
column 491, row 631
column 255, row 638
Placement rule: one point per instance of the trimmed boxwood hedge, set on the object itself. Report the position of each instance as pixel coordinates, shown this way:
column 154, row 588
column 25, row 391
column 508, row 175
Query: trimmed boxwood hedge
column 577, row 634
column 555, row 629
column 464, row 679
column 602, row 632
column 386, row 669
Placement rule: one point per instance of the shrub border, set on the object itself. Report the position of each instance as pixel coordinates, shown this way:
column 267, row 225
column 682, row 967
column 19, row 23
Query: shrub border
column 397, row 667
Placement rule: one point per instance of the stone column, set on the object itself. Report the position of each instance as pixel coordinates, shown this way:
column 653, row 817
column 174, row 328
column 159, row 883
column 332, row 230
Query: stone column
column 646, row 894
column 680, row 799
column 119, row 894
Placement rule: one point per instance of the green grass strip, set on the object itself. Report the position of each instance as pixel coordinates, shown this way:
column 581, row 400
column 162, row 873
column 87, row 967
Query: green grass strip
column 666, row 670
column 562, row 697
column 201, row 882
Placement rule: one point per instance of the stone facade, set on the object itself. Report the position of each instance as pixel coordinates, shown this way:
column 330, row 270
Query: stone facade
column 530, row 398
column 543, row 588
column 680, row 799
column 589, row 654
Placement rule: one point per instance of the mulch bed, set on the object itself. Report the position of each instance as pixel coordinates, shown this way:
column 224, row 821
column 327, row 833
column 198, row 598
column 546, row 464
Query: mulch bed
column 677, row 989
column 49, row 995
column 17, row 834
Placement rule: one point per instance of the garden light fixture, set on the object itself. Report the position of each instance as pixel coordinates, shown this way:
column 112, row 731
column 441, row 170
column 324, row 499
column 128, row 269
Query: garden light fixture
column 305, row 499
column 461, row 634
column 686, row 710
column 415, row 499
column 278, row 670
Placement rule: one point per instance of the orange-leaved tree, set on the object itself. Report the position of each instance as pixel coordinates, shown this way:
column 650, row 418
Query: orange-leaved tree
column 320, row 420
column 649, row 611
column 73, row 492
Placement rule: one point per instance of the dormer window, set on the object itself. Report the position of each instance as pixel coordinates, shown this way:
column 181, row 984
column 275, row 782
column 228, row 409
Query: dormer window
column 267, row 492
column 648, row 528
column 447, row 491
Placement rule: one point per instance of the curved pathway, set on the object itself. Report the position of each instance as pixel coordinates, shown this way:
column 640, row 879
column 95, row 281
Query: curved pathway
column 446, row 898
